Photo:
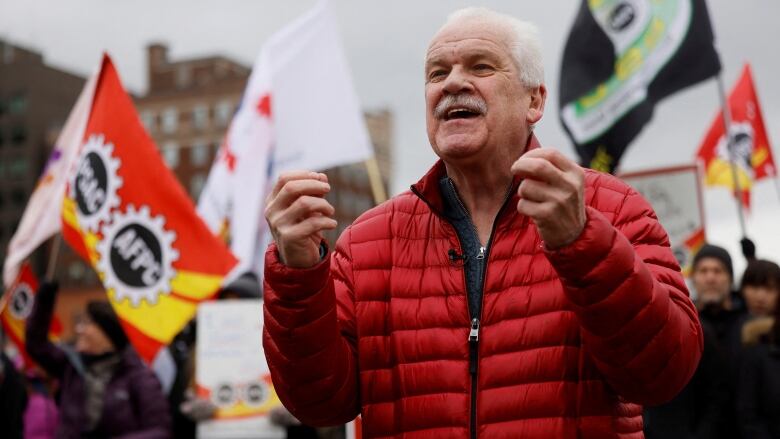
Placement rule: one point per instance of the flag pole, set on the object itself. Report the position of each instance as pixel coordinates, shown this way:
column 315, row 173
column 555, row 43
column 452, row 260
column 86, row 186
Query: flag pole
column 375, row 178
column 726, row 110
column 55, row 251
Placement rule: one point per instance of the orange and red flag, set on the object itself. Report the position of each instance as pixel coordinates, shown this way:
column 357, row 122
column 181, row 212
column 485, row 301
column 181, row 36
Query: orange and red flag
column 750, row 144
column 126, row 213
column 21, row 298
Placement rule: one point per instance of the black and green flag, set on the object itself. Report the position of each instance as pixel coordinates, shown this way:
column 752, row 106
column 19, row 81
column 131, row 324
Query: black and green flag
column 623, row 56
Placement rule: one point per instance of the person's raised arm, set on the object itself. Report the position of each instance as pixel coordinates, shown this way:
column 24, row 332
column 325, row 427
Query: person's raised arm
column 50, row 357
column 309, row 333
column 638, row 323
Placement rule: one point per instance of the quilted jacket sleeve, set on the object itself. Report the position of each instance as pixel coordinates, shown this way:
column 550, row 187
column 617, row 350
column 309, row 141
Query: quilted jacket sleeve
column 638, row 324
column 309, row 337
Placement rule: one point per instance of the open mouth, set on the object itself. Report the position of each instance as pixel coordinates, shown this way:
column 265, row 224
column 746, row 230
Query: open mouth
column 461, row 113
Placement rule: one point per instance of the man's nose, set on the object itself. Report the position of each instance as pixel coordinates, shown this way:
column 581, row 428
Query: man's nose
column 457, row 81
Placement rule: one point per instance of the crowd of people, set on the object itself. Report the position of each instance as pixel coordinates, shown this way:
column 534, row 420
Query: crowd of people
column 735, row 391
column 96, row 386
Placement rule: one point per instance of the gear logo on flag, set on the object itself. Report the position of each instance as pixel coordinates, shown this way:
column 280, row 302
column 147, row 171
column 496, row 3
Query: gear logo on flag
column 136, row 256
column 95, row 183
column 22, row 302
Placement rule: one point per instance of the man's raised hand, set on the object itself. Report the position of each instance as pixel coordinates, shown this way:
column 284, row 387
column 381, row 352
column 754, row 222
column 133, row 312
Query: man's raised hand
column 297, row 213
column 552, row 194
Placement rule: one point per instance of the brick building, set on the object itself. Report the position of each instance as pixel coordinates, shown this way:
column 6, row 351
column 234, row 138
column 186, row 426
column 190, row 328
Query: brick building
column 186, row 109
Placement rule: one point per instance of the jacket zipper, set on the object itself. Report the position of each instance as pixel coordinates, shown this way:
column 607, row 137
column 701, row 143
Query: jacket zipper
column 482, row 256
column 473, row 339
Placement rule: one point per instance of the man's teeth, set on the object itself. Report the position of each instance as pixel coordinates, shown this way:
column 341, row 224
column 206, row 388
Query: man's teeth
column 459, row 111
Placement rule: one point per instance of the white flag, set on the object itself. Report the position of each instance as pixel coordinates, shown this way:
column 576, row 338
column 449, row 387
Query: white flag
column 299, row 111
column 41, row 218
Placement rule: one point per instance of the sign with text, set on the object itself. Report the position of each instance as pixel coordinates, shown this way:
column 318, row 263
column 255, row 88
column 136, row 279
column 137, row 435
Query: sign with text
column 675, row 195
column 231, row 371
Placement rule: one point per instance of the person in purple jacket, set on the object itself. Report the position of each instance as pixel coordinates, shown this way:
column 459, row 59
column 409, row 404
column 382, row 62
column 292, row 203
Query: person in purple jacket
column 105, row 389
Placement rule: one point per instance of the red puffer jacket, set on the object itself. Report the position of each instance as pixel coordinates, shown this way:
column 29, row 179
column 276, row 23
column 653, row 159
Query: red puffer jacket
column 571, row 341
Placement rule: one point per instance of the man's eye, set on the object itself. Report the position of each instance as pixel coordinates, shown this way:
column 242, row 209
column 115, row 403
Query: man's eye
column 437, row 74
column 483, row 67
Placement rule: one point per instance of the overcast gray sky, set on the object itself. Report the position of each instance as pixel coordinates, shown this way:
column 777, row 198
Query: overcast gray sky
column 385, row 43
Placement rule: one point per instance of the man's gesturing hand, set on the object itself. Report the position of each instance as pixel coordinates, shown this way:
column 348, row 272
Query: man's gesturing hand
column 552, row 194
column 297, row 214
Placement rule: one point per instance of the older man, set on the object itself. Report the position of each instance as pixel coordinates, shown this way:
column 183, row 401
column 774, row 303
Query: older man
column 510, row 293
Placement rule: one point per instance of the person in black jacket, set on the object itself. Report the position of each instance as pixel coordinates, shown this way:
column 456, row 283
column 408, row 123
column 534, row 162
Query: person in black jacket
column 700, row 411
column 105, row 389
column 758, row 392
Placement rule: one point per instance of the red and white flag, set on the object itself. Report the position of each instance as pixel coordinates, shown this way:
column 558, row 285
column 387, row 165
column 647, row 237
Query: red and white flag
column 19, row 305
column 41, row 218
column 299, row 111
column 126, row 214
column 752, row 152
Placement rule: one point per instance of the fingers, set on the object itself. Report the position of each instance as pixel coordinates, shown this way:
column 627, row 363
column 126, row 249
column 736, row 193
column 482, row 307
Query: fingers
column 554, row 156
column 301, row 209
column 312, row 226
column 294, row 190
column 537, row 168
column 534, row 190
column 289, row 176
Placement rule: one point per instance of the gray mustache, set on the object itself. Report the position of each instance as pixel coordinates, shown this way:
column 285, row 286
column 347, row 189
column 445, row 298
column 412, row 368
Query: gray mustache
column 461, row 100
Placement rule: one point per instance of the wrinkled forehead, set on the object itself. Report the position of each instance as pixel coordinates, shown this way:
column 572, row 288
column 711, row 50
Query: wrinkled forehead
column 472, row 35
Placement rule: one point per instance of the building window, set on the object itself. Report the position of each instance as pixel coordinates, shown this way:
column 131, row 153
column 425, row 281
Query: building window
column 200, row 116
column 17, row 104
column 147, row 118
column 170, row 153
column 196, row 185
column 18, row 197
column 17, row 168
column 18, row 134
column 183, row 76
column 199, row 153
column 170, row 120
column 224, row 112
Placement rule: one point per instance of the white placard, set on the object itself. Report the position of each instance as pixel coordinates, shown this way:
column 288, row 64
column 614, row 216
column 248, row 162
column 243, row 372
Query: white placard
column 232, row 372
column 675, row 195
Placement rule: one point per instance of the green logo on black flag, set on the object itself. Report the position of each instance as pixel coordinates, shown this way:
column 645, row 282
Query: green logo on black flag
column 621, row 57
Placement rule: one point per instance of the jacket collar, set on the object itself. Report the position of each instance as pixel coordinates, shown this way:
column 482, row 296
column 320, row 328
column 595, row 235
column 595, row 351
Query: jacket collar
column 427, row 188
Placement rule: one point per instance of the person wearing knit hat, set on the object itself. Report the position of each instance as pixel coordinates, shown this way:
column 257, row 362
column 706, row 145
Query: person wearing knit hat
column 712, row 274
column 100, row 317
column 105, row 388
column 721, row 310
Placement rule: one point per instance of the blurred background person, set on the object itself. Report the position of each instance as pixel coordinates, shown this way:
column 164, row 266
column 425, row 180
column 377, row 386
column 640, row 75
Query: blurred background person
column 703, row 409
column 105, row 389
column 13, row 399
column 42, row 416
column 758, row 392
column 721, row 311
column 760, row 287
column 712, row 278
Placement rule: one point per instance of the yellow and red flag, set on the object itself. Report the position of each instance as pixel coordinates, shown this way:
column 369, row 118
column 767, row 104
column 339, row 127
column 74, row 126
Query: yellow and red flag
column 126, row 213
column 21, row 298
column 750, row 144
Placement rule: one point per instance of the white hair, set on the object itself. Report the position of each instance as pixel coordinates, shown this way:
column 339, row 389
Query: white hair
column 523, row 40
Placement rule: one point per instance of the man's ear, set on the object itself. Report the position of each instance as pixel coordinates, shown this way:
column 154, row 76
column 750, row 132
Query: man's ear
column 536, row 106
